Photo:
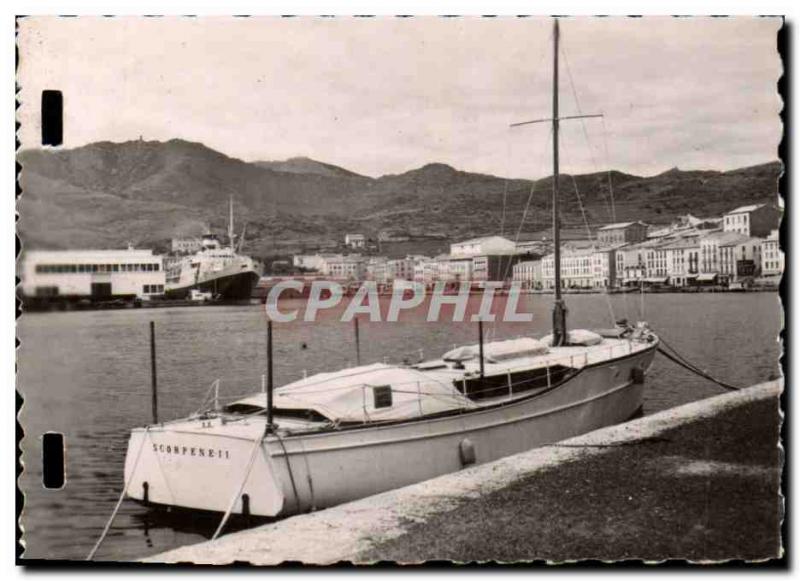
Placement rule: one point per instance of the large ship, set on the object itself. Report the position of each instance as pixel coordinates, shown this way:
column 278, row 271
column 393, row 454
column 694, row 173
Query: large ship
column 215, row 269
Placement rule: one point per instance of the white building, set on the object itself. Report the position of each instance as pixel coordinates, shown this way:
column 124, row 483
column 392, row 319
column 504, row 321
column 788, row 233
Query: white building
column 315, row 262
column 630, row 266
column 529, row 273
column 683, row 260
column 754, row 220
column 376, row 269
column 645, row 262
column 604, row 266
column 483, row 246
column 355, row 240
column 740, row 258
column 772, row 259
column 709, row 250
column 430, row 270
column 95, row 274
column 576, row 269
column 456, row 269
column 622, row 232
column 349, row 267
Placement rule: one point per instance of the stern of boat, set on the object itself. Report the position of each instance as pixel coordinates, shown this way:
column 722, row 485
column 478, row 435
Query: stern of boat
column 192, row 465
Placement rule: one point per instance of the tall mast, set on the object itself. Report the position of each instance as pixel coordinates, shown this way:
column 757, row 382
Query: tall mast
column 559, row 309
column 230, row 221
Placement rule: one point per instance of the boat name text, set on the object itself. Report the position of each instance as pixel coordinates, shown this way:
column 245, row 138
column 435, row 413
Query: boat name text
column 191, row 451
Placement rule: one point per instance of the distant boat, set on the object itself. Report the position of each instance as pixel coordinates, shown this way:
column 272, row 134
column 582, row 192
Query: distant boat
column 338, row 436
column 214, row 269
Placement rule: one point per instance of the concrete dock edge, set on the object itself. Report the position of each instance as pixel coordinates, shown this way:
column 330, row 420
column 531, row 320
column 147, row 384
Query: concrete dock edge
column 343, row 532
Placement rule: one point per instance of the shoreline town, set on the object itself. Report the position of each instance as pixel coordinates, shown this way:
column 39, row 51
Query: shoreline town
column 738, row 251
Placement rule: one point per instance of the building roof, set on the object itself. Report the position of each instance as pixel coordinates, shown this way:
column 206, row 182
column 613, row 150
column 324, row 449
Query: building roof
column 724, row 238
column 686, row 242
column 741, row 239
column 744, row 209
column 87, row 254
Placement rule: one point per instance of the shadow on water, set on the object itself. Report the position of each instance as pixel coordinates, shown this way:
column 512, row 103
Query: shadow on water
column 193, row 522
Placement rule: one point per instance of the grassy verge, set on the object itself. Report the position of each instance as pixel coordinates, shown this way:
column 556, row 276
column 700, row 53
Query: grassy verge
column 706, row 491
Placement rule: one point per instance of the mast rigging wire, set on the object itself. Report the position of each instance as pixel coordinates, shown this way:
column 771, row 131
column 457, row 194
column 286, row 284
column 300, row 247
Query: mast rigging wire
column 592, row 238
column 583, row 127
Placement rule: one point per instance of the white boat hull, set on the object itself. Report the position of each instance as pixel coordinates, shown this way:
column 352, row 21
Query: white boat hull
column 200, row 464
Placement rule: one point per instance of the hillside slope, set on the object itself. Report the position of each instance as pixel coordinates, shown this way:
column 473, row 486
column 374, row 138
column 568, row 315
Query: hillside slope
column 108, row 194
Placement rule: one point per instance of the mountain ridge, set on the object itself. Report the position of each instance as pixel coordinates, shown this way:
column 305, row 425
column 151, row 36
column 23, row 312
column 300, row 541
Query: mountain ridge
column 105, row 194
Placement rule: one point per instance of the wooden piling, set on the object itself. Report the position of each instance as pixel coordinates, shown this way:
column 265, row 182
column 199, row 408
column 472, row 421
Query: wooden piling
column 153, row 374
column 269, row 375
column 358, row 342
column 480, row 344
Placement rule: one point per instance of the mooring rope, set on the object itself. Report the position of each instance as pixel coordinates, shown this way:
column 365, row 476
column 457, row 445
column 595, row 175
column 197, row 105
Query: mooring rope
column 291, row 474
column 226, row 516
column 119, row 500
column 679, row 359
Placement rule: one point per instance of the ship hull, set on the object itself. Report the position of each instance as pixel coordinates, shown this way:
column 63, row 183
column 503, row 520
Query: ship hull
column 229, row 287
column 310, row 471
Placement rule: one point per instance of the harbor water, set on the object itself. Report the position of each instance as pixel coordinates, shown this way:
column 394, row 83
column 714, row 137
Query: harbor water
column 87, row 375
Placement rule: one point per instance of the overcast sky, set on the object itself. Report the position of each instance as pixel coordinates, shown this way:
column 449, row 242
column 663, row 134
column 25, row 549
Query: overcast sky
column 385, row 95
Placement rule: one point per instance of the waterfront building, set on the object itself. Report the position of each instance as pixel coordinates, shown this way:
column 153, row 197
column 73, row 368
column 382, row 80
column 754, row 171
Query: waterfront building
column 529, row 274
column 655, row 256
column 426, row 270
column 739, row 258
column 401, row 268
column 772, row 258
column 683, row 260
column 347, row 267
column 604, row 266
column 482, row 246
column 622, row 233
column 456, row 269
column 709, row 252
column 312, row 262
column 376, row 269
column 92, row 274
column 495, row 267
column 629, row 261
column 356, row 241
column 756, row 220
column 642, row 263
column 576, row 269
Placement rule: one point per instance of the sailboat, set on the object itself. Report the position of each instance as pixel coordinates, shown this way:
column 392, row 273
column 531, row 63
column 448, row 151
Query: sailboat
column 334, row 437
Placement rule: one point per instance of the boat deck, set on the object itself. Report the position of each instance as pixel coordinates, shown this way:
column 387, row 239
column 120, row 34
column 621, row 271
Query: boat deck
column 444, row 373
